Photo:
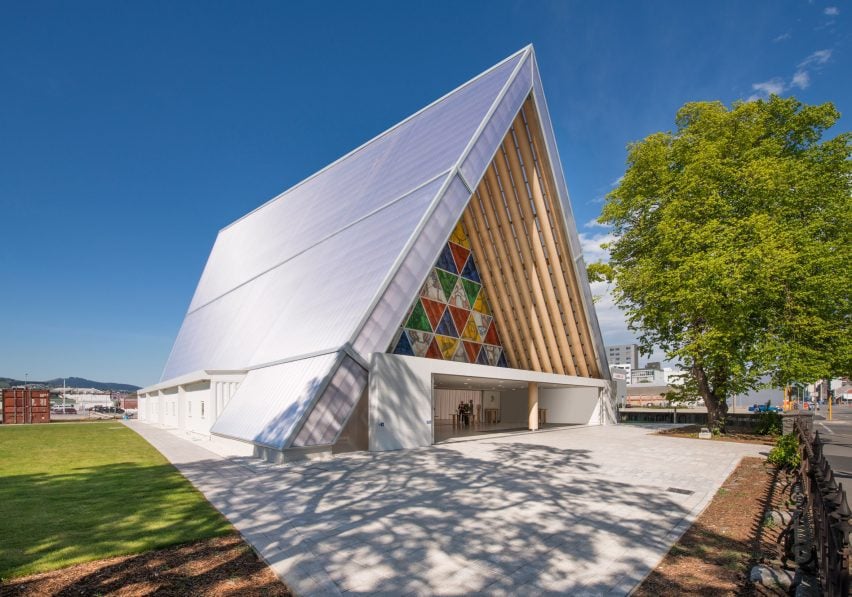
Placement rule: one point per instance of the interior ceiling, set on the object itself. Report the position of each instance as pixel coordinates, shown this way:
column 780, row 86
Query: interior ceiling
column 516, row 227
column 466, row 382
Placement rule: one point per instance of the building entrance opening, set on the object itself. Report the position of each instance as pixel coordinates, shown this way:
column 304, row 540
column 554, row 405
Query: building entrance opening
column 467, row 407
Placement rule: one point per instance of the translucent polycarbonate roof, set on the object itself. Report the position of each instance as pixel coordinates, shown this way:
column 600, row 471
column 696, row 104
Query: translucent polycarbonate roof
column 382, row 170
column 309, row 303
column 302, row 272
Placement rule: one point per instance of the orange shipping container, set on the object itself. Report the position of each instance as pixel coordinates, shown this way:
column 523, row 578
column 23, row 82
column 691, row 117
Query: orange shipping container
column 25, row 406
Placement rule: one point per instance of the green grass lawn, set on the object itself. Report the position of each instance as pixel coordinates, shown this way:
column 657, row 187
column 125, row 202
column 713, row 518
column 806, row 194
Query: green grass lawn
column 73, row 493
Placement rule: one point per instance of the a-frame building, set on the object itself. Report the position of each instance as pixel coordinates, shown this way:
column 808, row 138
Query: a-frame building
column 440, row 251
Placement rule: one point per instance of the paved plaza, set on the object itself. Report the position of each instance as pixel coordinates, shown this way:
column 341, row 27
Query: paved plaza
column 585, row 511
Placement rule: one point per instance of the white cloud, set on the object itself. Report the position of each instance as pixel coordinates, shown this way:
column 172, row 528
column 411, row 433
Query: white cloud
column 591, row 246
column 782, row 37
column 593, row 223
column 801, row 79
column 616, row 182
column 832, row 11
column 766, row 88
column 818, row 58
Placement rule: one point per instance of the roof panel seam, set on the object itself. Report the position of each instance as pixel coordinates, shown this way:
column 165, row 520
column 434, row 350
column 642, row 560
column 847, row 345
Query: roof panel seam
column 322, row 240
column 299, row 357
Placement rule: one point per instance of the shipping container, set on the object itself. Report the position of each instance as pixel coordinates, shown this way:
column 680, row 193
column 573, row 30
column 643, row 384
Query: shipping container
column 26, row 406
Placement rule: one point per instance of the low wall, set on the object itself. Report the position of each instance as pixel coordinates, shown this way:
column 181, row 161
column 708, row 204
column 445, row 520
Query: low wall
column 629, row 415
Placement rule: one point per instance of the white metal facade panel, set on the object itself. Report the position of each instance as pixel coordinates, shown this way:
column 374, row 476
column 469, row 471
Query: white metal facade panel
column 311, row 303
column 270, row 402
column 334, row 407
column 473, row 167
column 387, row 167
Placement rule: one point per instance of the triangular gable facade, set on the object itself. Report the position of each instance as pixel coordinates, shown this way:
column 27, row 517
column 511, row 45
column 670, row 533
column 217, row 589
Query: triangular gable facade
column 448, row 236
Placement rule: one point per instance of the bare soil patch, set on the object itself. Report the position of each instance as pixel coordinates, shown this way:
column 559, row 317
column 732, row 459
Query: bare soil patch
column 742, row 436
column 219, row 566
column 715, row 556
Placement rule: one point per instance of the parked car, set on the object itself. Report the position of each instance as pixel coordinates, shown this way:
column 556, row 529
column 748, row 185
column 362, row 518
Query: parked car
column 100, row 408
column 764, row 408
column 64, row 410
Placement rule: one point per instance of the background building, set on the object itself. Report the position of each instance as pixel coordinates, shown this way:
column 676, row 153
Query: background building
column 656, row 377
column 623, row 354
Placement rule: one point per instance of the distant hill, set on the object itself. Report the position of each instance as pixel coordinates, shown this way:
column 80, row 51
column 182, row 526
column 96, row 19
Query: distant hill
column 71, row 382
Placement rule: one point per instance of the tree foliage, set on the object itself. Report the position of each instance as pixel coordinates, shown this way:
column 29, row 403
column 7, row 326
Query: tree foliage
column 732, row 248
column 599, row 272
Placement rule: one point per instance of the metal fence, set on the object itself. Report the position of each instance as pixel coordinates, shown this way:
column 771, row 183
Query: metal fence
column 821, row 523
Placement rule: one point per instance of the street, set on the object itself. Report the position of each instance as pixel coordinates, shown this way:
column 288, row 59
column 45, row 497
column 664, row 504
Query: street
column 837, row 435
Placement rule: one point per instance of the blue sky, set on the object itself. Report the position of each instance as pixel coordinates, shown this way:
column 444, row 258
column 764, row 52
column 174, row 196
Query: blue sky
column 130, row 133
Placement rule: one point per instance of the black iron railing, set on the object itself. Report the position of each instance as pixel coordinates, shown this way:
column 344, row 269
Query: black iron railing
column 821, row 522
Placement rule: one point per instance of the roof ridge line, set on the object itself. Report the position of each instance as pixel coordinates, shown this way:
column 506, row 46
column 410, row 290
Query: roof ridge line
column 377, row 137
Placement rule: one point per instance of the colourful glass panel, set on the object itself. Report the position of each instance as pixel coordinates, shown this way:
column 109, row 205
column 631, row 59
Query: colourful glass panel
column 482, row 359
column 418, row 319
column 483, row 322
column 446, row 261
column 460, row 356
column 459, row 236
column 446, row 327
column 491, row 336
column 419, row 342
column 403, row 346
column 441, row 315
column 470, row 331
column 432, row 288
column 472, row 350
column 501, row 362
column 434, row 310
column 459, row 255
column 458, row 297
column 448, row 282
column 493, row 353
column 471, row 290
column 447, row 346
column 481, row 304
column 459, row 316
column 470, row 272
column 433, row 351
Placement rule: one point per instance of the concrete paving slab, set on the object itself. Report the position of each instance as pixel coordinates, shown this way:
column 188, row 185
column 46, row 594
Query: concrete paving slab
column 586, row 511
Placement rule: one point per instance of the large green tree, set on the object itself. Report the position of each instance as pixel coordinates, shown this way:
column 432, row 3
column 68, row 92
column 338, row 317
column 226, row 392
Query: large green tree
column 732, row 248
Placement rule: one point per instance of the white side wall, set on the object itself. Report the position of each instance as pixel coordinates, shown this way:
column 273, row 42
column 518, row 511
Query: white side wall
column 199, row 415
column 168, row 403
column 400, row 404
column 571, row 405
column 190, row 405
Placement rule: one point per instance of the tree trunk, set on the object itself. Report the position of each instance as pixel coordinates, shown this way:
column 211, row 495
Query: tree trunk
column 717, row 407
